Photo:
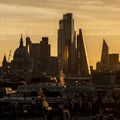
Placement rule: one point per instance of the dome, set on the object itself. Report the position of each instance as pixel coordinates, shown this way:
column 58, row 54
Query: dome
column 21, row 52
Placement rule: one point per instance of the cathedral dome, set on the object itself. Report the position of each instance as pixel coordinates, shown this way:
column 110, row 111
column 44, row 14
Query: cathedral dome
column 21, row 51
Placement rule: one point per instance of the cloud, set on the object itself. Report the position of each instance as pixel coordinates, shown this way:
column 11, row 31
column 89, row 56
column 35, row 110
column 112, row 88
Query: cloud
column 95, row 15
column 56, row 7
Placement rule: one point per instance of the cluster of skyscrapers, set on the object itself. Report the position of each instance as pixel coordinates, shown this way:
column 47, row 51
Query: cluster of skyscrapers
column 72, row 59
column 36, row 58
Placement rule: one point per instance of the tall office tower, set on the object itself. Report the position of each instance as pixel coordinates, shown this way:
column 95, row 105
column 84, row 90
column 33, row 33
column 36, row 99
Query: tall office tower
column 66, row 44
column 82, row 63
column 105, row 52
column 103, row 65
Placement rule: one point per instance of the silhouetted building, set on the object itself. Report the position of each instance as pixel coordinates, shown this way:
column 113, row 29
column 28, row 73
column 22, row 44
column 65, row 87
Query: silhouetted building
column 42, row 60
column 103, row 65
column 66, row 44
column 108, row 69
column 109, row 62
column 35, row 55
column 4, row 64
column 102, row 78
column 51, row 65
column 28, row 43
column 105, row 52
column 113, row 58
column 21, row 63
column 44, row 47
column 82, row 63
column 44, row 53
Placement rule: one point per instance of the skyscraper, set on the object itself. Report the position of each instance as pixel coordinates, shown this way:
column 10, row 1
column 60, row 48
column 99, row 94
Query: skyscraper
column 103, row 65
column 82, row 63
column 105, row 52
column 109, row 62
column 66, row 43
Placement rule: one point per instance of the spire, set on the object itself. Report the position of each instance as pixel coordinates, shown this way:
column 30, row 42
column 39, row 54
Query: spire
column 4, row 59
column 4, row 62
column 21, row 41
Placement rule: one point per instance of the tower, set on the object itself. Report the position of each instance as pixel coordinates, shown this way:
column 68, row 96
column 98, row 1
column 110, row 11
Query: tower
column 44, row 47
column 21, row 41
column 103, row 65
column 82, row 63
column 66, row 43
column 4, row 64
column 105, row 52
column 44, row 53
column 28, row 45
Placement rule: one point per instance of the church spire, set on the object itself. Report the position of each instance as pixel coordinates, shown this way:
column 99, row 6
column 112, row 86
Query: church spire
column 4, row 62
column 4, row 59
column 21, row 41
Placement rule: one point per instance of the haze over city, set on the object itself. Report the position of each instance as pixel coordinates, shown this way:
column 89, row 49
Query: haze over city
column 98, row 19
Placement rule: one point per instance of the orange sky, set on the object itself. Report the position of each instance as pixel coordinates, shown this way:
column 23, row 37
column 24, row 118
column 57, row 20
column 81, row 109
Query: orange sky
column 98, row 19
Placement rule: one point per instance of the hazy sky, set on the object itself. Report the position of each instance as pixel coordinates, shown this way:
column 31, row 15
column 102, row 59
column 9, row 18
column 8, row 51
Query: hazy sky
column 98, row 19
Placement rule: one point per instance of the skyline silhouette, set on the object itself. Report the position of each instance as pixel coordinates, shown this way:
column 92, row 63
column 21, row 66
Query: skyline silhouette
column 98, row 19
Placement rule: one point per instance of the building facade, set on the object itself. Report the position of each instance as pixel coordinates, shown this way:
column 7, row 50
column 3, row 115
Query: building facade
column 43, row 62
column 72, row 58
column 82, row 62
column 22, row 62
column 109, row 62
column 66, row 44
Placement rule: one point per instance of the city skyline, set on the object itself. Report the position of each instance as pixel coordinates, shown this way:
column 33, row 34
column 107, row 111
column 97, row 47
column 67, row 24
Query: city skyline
column 98, row 19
